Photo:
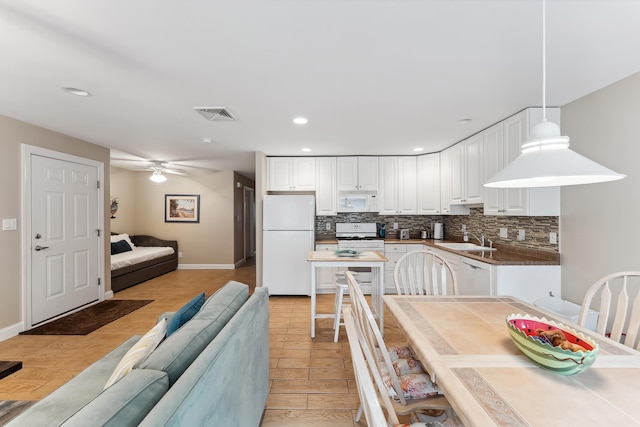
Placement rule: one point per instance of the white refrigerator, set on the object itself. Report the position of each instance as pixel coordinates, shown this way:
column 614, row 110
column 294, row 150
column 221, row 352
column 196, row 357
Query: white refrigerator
column 287, row 237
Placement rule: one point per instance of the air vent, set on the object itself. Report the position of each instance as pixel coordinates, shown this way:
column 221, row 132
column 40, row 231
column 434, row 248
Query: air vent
column 215, row 113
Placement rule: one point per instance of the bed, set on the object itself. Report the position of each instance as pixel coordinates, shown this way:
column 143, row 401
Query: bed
column 148, row 257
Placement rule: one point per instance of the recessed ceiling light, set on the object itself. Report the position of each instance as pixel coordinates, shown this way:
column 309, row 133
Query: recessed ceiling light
column 76, row 91
column 464, row 121
column 417, row 149
column 300, row 120
column 207, row 140
column 306, row 150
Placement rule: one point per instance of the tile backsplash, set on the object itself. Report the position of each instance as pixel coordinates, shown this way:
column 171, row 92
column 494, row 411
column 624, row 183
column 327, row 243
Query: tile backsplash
column 537, row 228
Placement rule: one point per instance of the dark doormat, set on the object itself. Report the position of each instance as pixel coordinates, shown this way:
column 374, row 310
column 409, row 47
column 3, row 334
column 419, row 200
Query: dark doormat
column 9, row 409
column 88, row 320
column 8, row 368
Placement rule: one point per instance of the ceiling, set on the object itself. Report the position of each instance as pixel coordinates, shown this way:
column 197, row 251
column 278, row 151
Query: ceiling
column 377, row 77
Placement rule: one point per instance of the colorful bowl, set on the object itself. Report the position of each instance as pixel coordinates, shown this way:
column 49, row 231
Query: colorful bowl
column 522, row 329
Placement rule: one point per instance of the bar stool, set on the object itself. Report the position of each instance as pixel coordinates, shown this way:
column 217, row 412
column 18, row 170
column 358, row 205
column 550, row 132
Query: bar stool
column 342, row 296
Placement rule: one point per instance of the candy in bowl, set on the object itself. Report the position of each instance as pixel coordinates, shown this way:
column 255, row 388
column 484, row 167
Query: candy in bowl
column 553, row 346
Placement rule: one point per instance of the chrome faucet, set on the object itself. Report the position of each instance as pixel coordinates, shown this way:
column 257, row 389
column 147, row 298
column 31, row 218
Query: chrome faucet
column 480, row 239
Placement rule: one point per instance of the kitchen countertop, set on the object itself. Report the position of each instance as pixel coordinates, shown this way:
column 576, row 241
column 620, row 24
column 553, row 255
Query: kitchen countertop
column 503, row 255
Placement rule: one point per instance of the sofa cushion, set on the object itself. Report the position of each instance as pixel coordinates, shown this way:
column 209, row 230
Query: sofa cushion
column 73, row 395
column 185, row 313
column 139, row 352
column 125, row 403
column 176, row 352
column 124, row 236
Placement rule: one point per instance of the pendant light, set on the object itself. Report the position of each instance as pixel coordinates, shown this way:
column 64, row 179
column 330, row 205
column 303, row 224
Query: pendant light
column 157, row 176
column 546, row 160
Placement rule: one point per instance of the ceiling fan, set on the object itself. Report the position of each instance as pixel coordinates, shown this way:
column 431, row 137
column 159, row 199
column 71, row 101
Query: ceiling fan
column 158, row 167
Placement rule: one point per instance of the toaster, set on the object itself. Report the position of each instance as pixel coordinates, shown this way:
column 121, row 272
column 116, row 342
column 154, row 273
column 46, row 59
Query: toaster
column 404, row 234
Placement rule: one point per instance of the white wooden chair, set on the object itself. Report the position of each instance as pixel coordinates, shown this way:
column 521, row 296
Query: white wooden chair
column 405, row 400
column 367, row 391
column 626, row 313
column 423, row 273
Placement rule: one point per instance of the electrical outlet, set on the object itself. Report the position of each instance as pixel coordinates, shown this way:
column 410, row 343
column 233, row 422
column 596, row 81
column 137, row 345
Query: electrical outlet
column 464, row 227
column 553, row 238
column 327, row 226
column 395, row 225
column 179, row 254
column 503, row 233
column 520, row 234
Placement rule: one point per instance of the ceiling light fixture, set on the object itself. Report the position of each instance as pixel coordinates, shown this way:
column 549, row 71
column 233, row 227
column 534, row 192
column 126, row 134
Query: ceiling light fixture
column 157, row 176
column 546, row 160
column 76, row 91
column 417, row 149
column 300, row 120
column 306, row 150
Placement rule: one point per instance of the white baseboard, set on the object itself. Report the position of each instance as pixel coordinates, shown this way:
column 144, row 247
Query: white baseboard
column 11, row 331
column 206, row 267
column 108, row 295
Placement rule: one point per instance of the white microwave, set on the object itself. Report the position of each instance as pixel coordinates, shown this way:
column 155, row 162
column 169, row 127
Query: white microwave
column 358, row 201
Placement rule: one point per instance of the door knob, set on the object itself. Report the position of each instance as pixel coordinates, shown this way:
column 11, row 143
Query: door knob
column 39, row 248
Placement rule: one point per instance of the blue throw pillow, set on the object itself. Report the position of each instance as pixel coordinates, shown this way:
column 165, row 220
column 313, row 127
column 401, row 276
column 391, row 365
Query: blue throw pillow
column 119, row 247
column 183, row 315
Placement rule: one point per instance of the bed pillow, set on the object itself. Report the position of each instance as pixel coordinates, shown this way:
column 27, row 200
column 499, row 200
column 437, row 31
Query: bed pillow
column 139, row 352
column 119, row 247
column 123, row 236
column 185, row 313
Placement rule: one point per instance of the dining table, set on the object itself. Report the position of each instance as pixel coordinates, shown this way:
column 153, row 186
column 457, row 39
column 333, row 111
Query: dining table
column 464, row 344
column 327, row 259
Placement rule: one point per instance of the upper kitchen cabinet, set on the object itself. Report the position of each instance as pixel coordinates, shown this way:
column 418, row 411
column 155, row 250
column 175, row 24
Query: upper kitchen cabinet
column 398, row 190
column 502, row 144
column 326, row 194
column 429, row 184
column 446, row 208
column 465, row 172
column 291, row 173
column 357, row 173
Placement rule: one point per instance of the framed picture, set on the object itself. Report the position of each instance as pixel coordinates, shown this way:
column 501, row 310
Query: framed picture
column 181, row 208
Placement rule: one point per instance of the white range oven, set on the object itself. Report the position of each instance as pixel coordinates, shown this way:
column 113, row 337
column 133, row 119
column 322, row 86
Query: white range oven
column 361, row 237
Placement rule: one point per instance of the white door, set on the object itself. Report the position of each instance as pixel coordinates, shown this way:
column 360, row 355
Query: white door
column 64, row 236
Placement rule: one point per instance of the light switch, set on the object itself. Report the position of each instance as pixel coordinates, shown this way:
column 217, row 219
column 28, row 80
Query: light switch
column 9, row 224
column 503, row 233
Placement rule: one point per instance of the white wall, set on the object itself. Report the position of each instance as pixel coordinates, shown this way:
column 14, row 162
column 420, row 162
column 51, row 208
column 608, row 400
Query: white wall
column 599, row 223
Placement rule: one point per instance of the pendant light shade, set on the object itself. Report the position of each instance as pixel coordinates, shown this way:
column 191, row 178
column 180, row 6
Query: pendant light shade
column 157, row 176
column 546, row 160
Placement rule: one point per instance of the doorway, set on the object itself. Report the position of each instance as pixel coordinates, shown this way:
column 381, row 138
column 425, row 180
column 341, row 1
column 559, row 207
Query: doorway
column 62, row 234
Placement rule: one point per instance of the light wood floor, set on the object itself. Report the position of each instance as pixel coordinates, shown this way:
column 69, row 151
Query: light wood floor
column 312, row 382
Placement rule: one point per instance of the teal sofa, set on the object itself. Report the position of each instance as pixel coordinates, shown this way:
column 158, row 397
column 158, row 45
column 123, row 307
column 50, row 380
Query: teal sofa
column 213, row 371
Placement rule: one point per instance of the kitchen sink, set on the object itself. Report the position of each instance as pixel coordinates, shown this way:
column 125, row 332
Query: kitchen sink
column 465, row 246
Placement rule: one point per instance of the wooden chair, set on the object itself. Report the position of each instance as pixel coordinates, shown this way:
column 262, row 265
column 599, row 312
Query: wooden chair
column 415, row 395
column 423, row 273
column 623, row 307
column 367, row 391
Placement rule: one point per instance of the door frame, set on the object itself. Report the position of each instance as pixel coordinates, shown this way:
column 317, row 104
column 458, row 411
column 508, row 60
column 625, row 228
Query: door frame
column 26, row 152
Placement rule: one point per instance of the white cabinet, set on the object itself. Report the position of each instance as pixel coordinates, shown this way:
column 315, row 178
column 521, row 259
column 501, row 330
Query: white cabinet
column 326, row 194
column 429, row 184
column 357, row 173
column 398, row 190
column 445, row 187
column 502, row 145
column 291, row 173
column 465, row 172
column 326, row 275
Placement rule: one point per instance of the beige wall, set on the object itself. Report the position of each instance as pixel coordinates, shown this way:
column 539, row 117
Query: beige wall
column 13, row 133
column 210, row 243
column 599, row 222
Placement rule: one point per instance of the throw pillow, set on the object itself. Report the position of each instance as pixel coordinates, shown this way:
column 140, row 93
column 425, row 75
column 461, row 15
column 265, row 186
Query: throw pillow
column 185, row 313
column 123, row 236
column 139, row 352
column 119, row 247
